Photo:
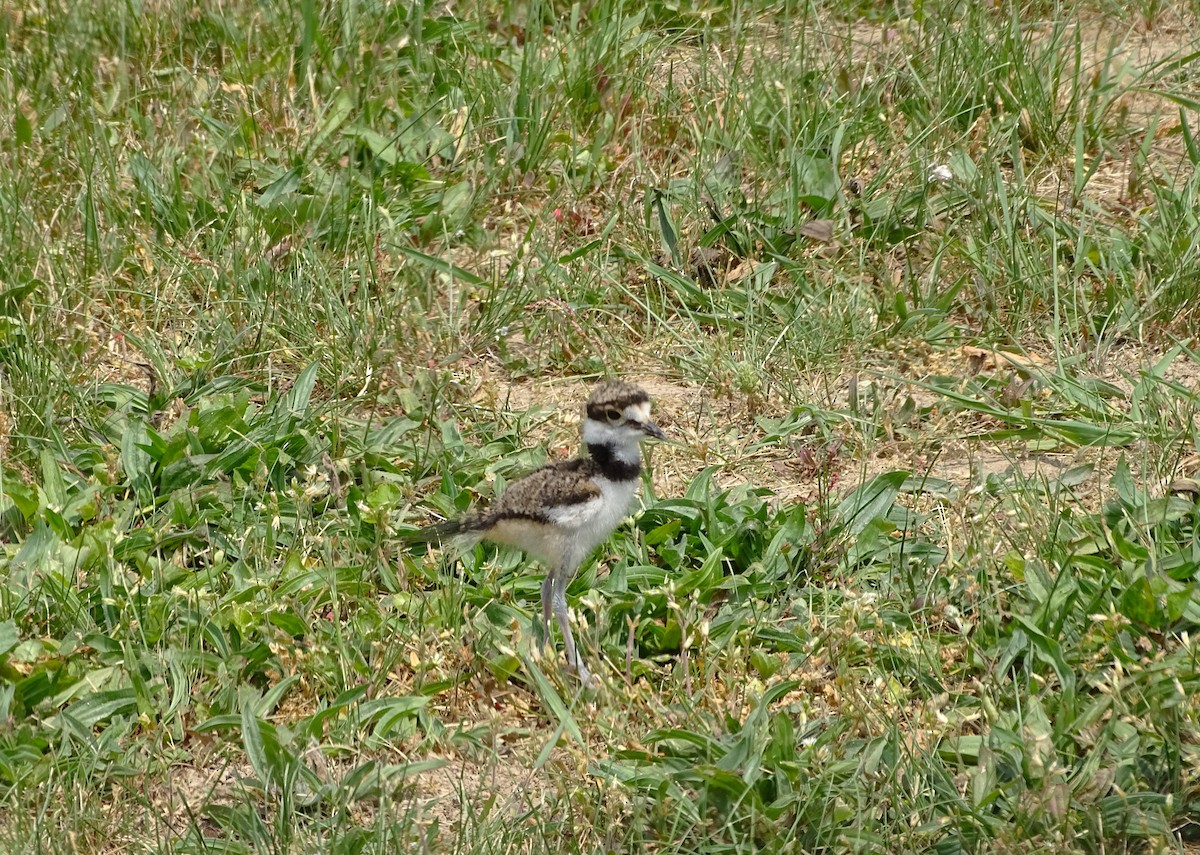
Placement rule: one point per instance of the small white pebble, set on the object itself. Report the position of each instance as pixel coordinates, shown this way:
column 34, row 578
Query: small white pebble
column 940, row 174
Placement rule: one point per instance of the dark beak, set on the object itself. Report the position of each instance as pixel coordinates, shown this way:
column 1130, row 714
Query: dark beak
column 651, row 429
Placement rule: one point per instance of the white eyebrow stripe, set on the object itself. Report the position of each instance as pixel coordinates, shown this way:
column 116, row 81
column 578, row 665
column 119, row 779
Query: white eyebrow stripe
column 639, row 412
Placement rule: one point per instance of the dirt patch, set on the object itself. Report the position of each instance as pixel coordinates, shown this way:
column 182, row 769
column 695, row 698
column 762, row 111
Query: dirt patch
column 1125, row 365
column 180, row 798
column 503, row 788
column 727, row 434
column 700, row 427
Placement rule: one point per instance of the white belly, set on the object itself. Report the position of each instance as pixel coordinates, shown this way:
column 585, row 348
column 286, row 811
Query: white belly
column 574, row 530
column 590, row 523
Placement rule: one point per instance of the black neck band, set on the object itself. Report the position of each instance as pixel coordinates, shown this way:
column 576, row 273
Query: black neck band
column 611, row 466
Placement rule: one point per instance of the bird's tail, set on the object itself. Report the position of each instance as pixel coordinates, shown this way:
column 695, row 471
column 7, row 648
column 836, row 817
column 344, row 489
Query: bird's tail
column 442, row 531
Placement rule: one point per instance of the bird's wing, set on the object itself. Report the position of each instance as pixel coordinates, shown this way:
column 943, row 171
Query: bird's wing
column 562, row 493
column 538, row 494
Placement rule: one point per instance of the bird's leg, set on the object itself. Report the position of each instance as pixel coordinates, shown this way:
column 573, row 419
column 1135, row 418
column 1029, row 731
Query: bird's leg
column 559, row 598
column 547, row 598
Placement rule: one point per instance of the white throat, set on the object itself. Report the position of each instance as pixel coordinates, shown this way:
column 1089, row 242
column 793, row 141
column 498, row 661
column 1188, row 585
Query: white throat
column 622, row 441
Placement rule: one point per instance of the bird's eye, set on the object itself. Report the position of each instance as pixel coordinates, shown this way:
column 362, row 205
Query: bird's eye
column 613, row 415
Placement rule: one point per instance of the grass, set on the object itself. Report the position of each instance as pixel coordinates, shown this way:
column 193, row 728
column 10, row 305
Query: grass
column 914, row 287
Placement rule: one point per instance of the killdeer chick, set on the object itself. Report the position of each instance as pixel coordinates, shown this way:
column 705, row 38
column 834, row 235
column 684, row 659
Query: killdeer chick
column 561, row 512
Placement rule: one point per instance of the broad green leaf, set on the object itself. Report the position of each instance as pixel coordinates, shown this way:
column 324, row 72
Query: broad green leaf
column 9, row 636
column 1076, row 475
column 270, row 700
column 53, row 485
column 441, row 266
column 963, row 750
column 710, row 745
column 22, row 127
column 335, row 116
column 1179, row 603
column 136, row 460
column 252, row 743
column 1122, row 482
column 280, row 189
column 300, row 393
column 817, row 181
column 370, row 780
column 370, row 710
column 38, row 686
column 686, row 290
column 396, row 711
column 102, row 706
column 870, row 501
column 666, row 228
column 1050, row 651
column 289, row 622
column 1139, row 604
column 1140, row 815
column 219, row 723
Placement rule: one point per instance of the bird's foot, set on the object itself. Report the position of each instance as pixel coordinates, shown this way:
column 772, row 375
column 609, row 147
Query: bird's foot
column 586, row 678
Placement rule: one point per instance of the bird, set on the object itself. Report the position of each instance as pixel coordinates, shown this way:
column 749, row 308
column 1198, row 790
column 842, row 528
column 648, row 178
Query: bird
column 561, row 512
